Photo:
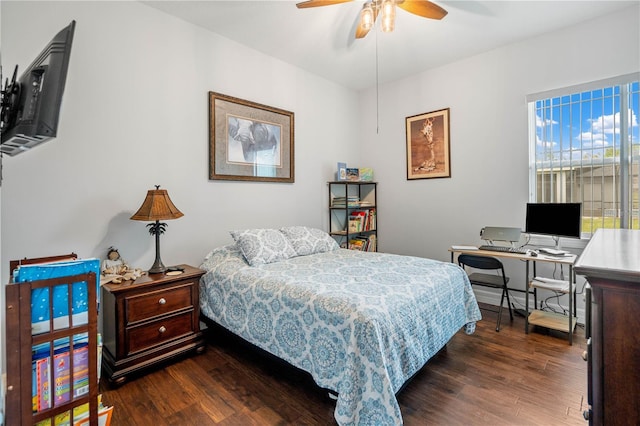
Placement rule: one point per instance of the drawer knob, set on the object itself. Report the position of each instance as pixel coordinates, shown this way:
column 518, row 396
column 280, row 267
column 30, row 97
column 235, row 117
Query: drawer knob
column 162, row 301
column 162, row 329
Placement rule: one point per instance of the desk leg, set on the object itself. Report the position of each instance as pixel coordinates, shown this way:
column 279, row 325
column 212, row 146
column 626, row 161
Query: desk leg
column 571, row 301
column 526, row 298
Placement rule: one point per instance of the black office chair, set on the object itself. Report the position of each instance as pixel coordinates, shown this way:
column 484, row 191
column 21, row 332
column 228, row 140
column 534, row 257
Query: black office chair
column 498, row 280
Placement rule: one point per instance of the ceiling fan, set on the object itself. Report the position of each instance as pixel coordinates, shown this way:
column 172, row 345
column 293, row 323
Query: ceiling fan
column 386, row 8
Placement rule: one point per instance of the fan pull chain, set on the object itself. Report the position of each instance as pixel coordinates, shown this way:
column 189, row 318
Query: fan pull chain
column 377, row 90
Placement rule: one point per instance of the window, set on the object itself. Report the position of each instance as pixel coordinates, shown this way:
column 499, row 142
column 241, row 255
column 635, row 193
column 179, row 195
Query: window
column 584, row 146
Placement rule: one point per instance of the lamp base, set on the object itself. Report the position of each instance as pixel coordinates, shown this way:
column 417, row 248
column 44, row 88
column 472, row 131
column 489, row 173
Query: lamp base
column 158, row 267
column 157, row 229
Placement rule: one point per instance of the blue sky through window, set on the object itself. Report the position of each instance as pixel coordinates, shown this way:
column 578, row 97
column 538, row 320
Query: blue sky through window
column 585, row 125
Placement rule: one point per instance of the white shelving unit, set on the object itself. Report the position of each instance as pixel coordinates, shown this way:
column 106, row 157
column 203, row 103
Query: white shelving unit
column 553, row 320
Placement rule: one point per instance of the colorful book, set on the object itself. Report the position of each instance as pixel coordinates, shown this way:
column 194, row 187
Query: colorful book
column 61, row 378
column 356, row 244
column 80, row 371
column 81, row 416
column 353, row 174
column 355, row 224
column 57, row 387
column 43, row 383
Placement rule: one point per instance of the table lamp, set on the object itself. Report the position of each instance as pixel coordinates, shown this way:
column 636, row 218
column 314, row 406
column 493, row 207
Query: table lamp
column 157, row 206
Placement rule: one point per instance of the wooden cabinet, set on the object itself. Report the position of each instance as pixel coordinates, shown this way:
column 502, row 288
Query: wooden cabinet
column 150, row 320
column 611, row 265
column 353, row 214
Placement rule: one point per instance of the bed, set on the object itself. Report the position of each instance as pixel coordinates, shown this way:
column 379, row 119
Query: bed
column 360, row 323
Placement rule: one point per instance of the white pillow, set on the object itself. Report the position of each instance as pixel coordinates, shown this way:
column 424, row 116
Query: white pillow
column 260, row 246
column 307, row 240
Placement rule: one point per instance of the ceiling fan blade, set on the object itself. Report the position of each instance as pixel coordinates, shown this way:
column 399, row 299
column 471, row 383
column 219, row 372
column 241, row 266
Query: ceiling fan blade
column 423, row 8
column 318, row 3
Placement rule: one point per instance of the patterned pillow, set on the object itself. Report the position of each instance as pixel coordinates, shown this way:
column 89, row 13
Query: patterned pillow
column 260, row 246
column 307, row 240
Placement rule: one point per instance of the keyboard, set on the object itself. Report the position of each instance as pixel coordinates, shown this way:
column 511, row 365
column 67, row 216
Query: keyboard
column 503, row 249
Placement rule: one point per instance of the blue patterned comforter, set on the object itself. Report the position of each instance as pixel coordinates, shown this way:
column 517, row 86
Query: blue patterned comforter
column 360, row 323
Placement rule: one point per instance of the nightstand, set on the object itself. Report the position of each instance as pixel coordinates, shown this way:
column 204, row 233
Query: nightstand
column 148, row 321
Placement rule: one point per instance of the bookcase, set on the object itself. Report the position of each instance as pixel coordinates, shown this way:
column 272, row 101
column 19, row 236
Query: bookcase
column 52, row 373
column 353, row 214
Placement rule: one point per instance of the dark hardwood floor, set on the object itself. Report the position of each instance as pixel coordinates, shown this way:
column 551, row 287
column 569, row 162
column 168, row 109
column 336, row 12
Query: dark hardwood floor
column 505, row 378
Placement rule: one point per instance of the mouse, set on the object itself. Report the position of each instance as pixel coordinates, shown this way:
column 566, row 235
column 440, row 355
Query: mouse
column 532, row 253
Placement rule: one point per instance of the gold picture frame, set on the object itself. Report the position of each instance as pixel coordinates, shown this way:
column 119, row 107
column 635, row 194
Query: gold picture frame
column 249, row 141
column 428, row 145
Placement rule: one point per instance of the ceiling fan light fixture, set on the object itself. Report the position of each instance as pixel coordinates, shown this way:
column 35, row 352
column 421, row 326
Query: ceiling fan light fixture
column 367, row 16
column 388, row 15
column 386, row 8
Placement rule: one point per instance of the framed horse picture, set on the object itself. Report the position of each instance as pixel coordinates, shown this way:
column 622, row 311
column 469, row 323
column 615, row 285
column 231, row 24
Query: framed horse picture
column 249, row 141
column 428, row 148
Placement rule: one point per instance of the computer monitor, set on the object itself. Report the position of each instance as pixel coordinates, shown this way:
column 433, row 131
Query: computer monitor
column 554, row 219
column 31, row 104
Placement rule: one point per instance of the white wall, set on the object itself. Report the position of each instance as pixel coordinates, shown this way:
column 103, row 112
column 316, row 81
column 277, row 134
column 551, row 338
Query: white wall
column 489, row 133
column 135, row 114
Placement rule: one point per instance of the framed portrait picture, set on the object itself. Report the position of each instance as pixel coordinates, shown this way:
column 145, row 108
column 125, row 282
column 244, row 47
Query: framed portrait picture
column 249, row 141
column 428, row 148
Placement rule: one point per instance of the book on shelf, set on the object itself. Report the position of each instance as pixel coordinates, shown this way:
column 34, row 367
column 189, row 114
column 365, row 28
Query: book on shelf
column 43, row 384
column 371, row 224
column 362, row 220
column 61, row 378
column 80, row 371
column 372, row 246
column 355, row 223
column 366, row 174
column 353, row 174
column 81, row 416
column 358, row 221
column 357, row 244
column 350, row 201
column 52, row 381
column 40, row 307
column 341, row 174
column 363, row 243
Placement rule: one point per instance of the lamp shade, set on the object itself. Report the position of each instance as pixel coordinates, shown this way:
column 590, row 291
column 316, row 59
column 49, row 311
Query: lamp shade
column 157, row 206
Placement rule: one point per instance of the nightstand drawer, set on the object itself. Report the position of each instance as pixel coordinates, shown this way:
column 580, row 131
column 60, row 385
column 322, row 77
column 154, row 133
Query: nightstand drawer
column 153, row 304
column 157, row 332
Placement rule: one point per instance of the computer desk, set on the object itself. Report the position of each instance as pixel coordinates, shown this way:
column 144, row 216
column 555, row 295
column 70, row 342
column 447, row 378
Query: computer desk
column 536, row 317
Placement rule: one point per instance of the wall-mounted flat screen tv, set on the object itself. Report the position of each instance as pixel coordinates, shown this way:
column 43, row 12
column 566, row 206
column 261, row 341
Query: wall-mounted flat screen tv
column 31, row 104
